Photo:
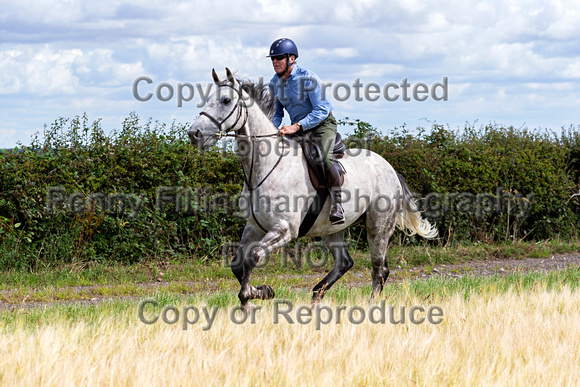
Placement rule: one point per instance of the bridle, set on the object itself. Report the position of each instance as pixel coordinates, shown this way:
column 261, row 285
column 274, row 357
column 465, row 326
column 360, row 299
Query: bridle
column 241, row 105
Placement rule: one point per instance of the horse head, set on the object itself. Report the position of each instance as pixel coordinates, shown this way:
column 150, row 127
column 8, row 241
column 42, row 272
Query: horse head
column 225, row 111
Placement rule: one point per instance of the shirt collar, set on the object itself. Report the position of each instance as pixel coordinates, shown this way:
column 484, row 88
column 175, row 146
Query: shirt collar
column 292, row 72
column 294, row 69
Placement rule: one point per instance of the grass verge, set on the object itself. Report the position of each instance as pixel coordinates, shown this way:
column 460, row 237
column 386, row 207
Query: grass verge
column 289, row 261
column 517, row 329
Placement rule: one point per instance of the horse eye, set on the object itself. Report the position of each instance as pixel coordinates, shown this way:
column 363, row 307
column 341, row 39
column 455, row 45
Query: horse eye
column 226, row 100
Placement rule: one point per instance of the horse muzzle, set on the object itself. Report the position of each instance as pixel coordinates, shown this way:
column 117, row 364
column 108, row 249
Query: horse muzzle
column 201, row 138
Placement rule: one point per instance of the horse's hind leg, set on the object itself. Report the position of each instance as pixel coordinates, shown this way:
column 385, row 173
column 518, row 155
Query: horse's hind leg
column 378, row 244
column 342, row 263
column 380, row 227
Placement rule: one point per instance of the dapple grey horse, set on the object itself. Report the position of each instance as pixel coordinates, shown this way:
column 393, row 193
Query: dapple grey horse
column 279, row 192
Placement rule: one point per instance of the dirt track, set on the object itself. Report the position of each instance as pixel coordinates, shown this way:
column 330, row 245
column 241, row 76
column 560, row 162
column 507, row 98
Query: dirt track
column 502, row 266
column 474, row 268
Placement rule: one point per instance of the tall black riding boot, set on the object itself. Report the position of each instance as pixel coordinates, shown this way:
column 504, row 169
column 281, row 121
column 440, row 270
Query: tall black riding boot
column 334, row 184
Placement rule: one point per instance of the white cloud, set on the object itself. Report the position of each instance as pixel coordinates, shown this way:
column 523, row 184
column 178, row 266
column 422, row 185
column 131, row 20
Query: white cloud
column 42, row 71
column 345, row 52
column 504, row 60
column 46, row 70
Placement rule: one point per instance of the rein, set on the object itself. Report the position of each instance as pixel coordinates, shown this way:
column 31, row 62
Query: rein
column 247, row 179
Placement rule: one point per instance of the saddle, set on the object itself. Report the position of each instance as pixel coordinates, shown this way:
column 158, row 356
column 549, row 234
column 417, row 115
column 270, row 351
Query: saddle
column 317, row 174
column 314, row 160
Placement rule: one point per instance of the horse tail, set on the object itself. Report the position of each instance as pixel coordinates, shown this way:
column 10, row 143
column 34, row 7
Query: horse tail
column 409, row 218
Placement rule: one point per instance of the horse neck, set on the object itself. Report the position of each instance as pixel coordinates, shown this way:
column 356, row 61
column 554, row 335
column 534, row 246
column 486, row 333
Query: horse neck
column 258, row 123
column 258, row 149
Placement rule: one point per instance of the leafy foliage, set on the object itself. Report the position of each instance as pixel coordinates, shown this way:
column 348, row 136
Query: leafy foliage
column 78, row 195
column 489, row 184
column 76, row 157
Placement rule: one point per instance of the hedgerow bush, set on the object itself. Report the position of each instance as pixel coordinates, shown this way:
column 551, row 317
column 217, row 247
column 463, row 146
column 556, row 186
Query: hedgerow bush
column 147, row 162
column 501, row 169
column 75, row 157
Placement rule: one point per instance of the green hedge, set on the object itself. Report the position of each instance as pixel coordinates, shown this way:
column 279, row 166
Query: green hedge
column 74, row 156
column 503, row 170
column 130, row 167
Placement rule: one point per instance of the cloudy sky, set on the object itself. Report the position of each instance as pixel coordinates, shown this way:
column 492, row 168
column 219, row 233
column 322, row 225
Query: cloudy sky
column 507, row 62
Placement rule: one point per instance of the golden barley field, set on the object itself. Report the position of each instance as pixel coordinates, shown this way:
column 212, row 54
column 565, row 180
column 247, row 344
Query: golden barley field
column 489, row 337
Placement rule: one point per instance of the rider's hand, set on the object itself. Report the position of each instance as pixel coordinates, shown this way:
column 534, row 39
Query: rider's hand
column 290, row 129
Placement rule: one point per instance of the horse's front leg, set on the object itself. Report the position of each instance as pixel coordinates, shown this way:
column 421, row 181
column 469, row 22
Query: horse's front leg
column 250, row 237
column 278, row 236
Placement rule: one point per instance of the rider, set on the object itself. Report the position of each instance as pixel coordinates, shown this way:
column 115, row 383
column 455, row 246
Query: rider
column 298, row 90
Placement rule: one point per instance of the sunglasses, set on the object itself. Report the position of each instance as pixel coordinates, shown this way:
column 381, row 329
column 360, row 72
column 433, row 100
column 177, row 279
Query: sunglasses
column 279, row 57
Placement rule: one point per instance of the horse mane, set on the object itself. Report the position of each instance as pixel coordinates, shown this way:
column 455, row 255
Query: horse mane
column 261, row 95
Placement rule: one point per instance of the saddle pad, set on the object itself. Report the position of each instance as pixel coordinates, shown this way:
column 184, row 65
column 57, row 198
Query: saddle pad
column 316, row 181
column 316, row 169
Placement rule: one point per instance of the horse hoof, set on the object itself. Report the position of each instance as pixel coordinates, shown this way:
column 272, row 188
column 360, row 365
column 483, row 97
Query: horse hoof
column 317, row 297
column 265, row 292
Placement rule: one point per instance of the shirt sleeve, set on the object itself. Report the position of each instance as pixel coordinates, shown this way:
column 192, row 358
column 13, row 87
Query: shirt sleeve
column 278, row 114
column 321, row 107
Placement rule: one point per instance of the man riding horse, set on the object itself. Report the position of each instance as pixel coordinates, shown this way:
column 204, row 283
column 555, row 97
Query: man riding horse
column 271, row 176
column 298, row 90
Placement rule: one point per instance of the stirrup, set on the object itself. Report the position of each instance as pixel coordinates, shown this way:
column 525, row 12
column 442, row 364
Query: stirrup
column 334, row 218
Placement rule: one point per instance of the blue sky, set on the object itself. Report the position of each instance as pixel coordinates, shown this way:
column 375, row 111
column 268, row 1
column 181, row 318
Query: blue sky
column 507, row 62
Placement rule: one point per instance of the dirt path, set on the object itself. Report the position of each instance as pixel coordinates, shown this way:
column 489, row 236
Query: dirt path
column 502, row 267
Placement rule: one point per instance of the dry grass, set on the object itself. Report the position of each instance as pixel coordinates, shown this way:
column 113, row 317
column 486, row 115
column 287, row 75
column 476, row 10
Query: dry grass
column 513, row 338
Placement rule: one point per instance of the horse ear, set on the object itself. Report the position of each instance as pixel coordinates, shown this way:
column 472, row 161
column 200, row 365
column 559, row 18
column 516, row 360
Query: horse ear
column 216, row 79
column 230, row 76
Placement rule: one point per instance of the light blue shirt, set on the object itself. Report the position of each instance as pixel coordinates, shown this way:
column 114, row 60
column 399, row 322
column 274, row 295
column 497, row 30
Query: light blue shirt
column 301, row 96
